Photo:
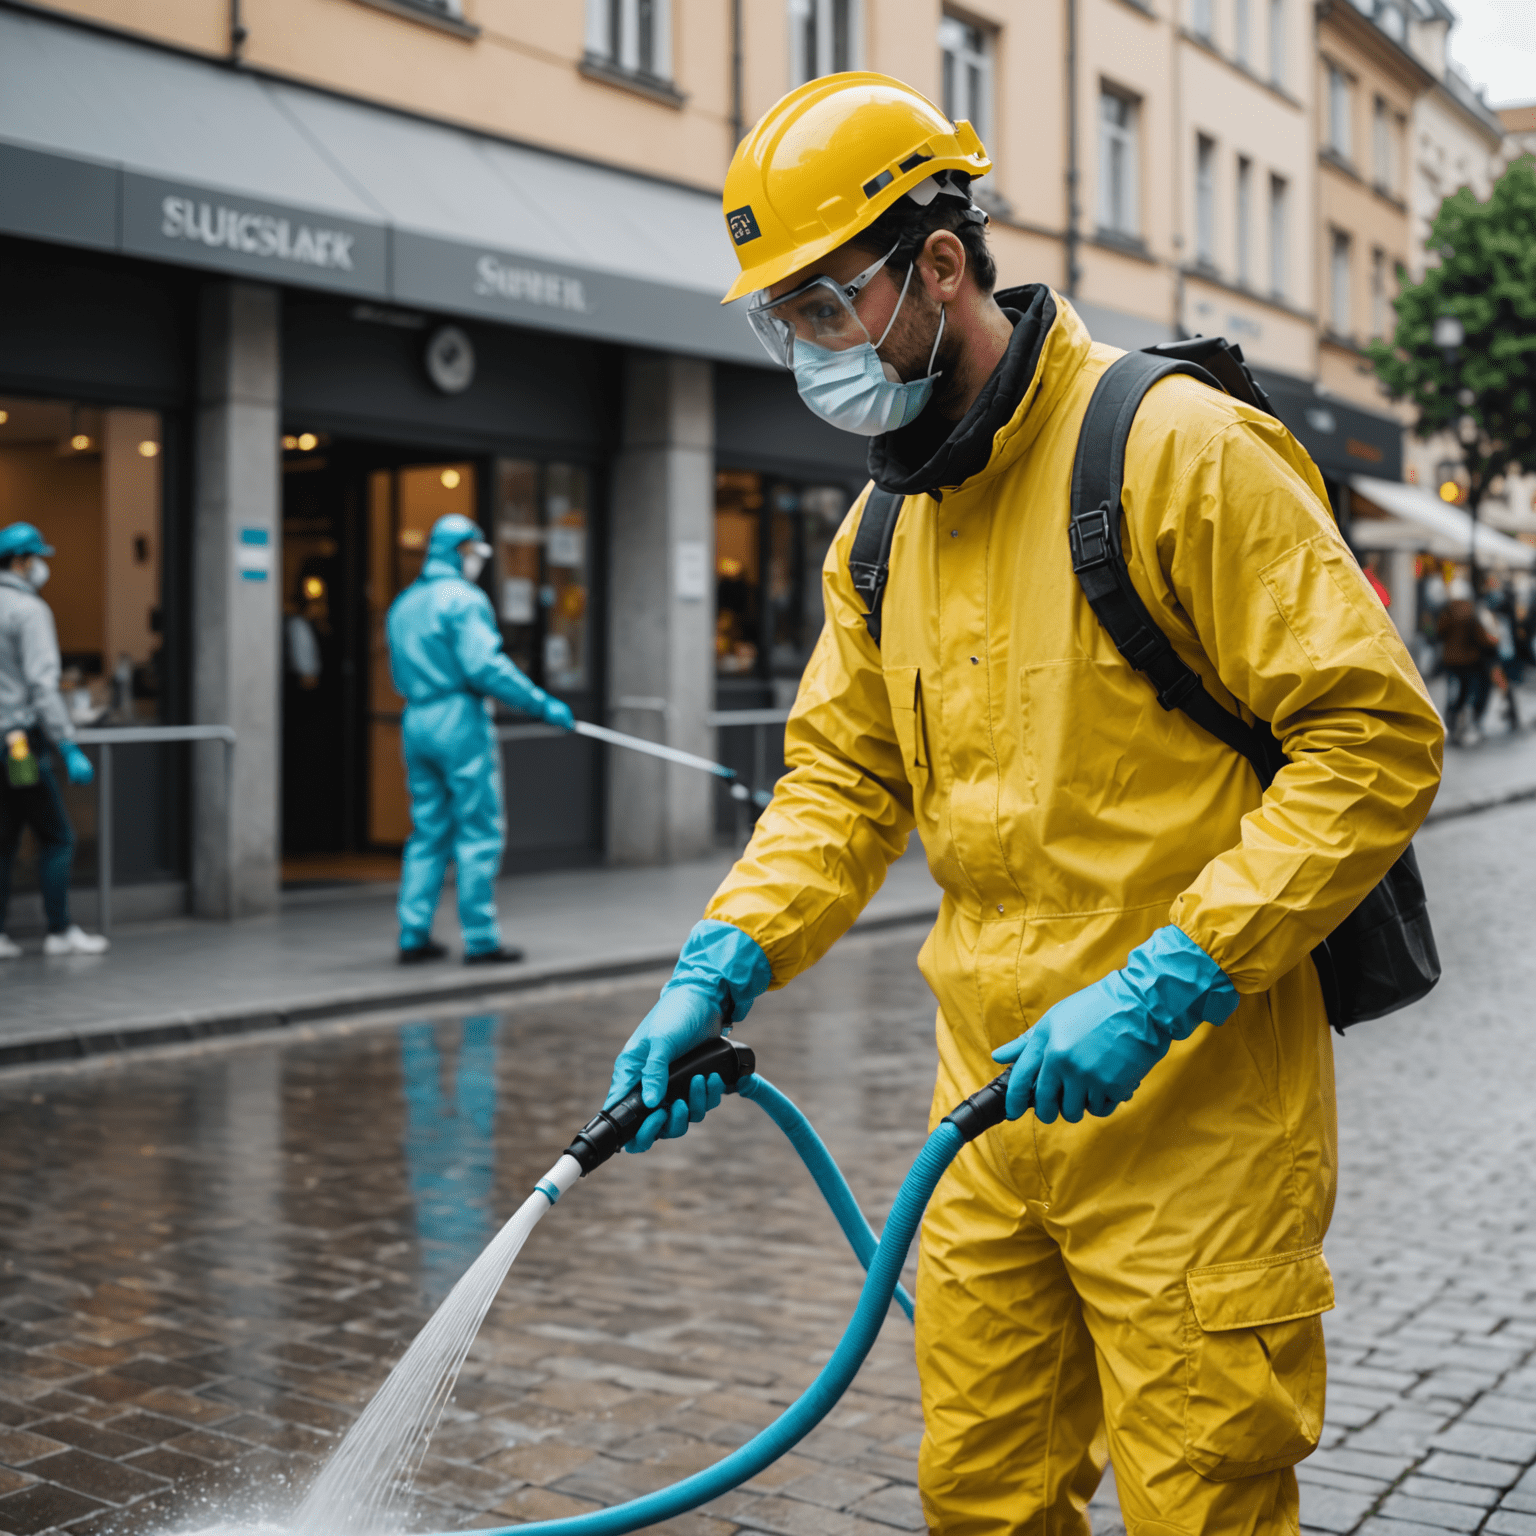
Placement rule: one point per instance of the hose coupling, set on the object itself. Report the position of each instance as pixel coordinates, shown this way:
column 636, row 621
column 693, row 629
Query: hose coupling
column 985, row 1108
column 610, row 1129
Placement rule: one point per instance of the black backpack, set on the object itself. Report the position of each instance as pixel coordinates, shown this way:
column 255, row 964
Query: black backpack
column 1382, row 956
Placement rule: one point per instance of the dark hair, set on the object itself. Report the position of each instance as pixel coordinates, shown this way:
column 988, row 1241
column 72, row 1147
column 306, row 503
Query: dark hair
column 907, row 225
column 6, row 562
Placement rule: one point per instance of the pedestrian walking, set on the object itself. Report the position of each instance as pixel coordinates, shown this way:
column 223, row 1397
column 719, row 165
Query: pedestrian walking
column 1139, row 1268
column 36, row 726
column 446, row 660
column 1465, row 649
column 1497, row 613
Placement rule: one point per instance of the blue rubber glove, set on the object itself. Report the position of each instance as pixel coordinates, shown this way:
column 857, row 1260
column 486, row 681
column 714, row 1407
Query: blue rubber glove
column 719, row 968
column 557, row 712
column 76, row 764
column 1092, row 1049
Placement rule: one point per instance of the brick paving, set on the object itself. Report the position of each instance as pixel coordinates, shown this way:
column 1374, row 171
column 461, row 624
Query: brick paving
column 210, row 1258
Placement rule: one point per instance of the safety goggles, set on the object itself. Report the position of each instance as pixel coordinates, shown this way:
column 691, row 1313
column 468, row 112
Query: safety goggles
column 820, row 312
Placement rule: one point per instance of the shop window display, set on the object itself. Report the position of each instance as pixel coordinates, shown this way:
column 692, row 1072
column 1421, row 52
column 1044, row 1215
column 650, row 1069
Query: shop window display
column 542, row 521
column 90, row 478
column 771, row 538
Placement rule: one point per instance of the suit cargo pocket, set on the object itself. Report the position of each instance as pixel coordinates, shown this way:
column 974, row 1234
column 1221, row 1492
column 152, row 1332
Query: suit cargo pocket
column 904, row 686
column 1257, row 1369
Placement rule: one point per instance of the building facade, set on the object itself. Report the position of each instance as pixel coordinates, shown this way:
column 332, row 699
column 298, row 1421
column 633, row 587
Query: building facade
column 295, row 277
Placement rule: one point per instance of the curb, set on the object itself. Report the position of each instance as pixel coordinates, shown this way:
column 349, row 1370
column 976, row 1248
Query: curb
column 81, row 1045
column 1473, row 805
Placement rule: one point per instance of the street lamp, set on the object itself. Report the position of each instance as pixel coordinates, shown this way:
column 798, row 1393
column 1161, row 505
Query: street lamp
column 1449, row 335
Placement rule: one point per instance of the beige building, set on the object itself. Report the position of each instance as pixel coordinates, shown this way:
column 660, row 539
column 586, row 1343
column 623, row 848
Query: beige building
column 345, row 265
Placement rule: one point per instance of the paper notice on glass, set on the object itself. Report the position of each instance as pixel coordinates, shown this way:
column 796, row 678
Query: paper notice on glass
column 691, row 576
column 517, row 600
column 564, row 547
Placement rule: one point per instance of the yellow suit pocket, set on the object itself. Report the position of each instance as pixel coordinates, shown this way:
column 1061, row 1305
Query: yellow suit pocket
column 904, row 686
column 1257, row 1369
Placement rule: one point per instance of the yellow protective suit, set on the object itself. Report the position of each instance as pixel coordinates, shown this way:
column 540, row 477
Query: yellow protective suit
column 1153, row 1279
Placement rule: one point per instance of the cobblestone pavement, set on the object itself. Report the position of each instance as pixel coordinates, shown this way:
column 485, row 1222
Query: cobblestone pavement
column 211, row 1257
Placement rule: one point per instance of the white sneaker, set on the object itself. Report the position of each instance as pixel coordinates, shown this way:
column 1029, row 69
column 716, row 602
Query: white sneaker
column 75, row 941
column 9, row 948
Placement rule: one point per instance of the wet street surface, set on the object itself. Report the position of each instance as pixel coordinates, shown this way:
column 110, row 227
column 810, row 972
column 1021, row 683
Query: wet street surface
column 211, row 1258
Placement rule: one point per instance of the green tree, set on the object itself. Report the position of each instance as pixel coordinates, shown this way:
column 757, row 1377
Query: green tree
column 1484, row 390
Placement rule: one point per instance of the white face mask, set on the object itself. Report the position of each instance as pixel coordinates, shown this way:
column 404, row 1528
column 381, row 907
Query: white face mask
column 472, row 560
column 38, row 573
column 854, row 390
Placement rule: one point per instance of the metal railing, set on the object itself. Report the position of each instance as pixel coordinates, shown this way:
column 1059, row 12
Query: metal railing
column 759, row 721
column 105, row 739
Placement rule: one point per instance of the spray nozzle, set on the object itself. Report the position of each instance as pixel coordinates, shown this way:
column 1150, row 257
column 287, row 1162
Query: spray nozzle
column 609, row 1129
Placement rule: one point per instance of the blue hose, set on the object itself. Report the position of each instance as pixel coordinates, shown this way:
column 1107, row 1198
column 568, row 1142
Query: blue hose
column 785, row 1114
column 884, row 1266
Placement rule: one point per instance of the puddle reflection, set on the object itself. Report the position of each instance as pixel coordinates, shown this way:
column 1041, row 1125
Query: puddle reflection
column 450, row 1145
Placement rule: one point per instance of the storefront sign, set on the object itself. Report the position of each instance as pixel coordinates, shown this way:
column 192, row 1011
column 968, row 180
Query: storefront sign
column 208, row 228
column 519, row 290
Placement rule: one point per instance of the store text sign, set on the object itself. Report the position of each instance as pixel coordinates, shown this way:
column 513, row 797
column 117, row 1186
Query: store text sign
column 208, row 228
column 260, row 234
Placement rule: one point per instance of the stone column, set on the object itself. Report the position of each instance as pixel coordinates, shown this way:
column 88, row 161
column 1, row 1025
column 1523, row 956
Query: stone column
column 661, row 624
column 237, row 601
column 1404, row 587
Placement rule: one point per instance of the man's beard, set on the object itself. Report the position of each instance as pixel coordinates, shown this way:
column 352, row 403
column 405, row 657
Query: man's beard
column 911, row 344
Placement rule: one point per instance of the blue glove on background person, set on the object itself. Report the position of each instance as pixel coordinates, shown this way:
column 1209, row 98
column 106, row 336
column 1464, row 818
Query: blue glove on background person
column 1092, row 1049
column 76, row 764
column 558, row 713
column 719, row 968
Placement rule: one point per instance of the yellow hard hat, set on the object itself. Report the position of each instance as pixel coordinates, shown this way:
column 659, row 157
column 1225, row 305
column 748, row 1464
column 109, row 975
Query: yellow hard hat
column 826, row 162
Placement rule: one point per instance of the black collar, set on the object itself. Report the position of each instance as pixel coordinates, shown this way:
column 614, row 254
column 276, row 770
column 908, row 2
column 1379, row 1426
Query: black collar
column 934, row 452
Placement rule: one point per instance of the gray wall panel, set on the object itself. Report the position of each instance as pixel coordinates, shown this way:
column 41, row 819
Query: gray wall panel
column 45, row 197
column 761, row 423
column 342, row 374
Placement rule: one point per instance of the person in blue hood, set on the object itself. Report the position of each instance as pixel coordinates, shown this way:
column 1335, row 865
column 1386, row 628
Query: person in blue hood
column 446, row 660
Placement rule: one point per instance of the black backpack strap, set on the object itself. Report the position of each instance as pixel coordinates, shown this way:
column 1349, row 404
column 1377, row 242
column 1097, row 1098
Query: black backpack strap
column 869, row 561
column 1098, row 561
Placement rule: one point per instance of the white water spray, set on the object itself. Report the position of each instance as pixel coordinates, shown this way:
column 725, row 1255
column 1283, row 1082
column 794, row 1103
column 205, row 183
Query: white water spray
column 362, row 1487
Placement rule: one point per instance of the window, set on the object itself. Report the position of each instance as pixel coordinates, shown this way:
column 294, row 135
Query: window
column 1380, row 323
column 541, row 582
column 1339, row 103
column 1392, row 21
column 632, row 35
column 1338, row 283
column 1242, row 32
column 771, row 537
column 967, row 67
column 89, row 477
column 1244, row 221
column 1205, row 200
column 1279, row 236
column 1200, row 18
column 1118, row 170
column 1385, row 127
column 1277, row 42
column 822, row 40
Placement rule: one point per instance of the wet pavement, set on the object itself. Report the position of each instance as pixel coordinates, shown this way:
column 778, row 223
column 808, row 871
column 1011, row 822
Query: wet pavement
column 212, row 1256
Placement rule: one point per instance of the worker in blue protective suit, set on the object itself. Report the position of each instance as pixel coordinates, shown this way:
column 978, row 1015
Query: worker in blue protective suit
column 446, row 660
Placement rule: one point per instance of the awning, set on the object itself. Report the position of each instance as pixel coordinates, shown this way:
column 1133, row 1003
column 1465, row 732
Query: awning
column 118, row 145
column 1419, row 520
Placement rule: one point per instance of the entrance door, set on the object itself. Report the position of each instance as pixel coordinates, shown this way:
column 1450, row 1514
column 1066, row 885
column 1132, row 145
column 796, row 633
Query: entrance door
column 356, row 519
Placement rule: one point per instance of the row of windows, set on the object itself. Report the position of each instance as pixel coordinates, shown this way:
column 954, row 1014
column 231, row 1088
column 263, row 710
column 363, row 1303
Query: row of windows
column 1341, row 283
column 1387, row 131
column 1119, row 198
column 1246, row 18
